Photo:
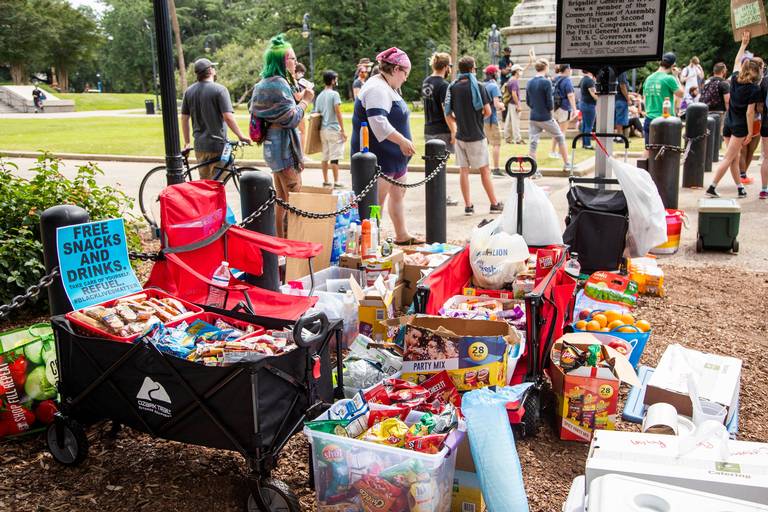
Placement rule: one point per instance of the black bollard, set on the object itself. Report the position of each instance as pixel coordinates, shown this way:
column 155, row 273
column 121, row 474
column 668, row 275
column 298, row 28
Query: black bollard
column 695, row 133
column 434, row 192
column 51, row 219
column 665, row 170
column 719, row 119
column 363, row 169
column 711, row 141
column 255, row 190
column 642, row 163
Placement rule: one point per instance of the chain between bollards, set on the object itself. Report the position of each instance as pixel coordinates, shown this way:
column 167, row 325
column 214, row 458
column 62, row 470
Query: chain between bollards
column 31, row 293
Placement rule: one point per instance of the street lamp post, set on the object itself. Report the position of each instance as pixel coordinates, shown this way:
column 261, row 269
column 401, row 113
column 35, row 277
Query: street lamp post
column 173, row 162
column 154, row 62
column 306, row 32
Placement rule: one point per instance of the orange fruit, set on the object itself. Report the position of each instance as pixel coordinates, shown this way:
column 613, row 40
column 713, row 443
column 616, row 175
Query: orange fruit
column 581, row 325
column 628, row 319
column 601, row 319
column 643, row 325
column 627, row 328
column 614, row 324
column 605, row 329
column 593, row 325
column 612, row 315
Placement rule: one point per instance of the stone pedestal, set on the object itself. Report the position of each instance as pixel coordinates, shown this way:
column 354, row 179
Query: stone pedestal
column 533, row 24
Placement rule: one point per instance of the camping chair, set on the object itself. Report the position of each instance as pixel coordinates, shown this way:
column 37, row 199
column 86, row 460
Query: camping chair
column 196, row 239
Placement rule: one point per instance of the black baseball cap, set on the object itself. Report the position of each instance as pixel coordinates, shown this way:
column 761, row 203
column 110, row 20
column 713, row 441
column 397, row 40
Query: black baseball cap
column 669, row 59
column 202, row 65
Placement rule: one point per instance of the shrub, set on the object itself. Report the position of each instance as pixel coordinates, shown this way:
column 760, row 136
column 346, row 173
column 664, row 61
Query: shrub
column 22, row 200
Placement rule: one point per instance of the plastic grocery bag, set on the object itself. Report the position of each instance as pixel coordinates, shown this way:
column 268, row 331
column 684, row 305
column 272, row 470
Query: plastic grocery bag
column 496, row 257
column 540, row 224
column 647, row 216
column 493, row 447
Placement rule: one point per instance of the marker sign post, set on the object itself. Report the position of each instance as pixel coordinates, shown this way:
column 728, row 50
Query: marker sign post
column 94, row 265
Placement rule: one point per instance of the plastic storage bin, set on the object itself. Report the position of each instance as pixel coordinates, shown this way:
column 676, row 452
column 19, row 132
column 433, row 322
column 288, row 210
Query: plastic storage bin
column 345, row 469
column 718, row 224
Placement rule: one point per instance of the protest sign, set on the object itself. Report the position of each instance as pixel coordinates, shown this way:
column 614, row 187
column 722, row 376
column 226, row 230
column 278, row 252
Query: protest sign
column 93, row 261
column 748, row 15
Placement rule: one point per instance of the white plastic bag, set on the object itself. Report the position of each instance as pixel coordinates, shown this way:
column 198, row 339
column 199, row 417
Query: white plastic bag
column 647, row 216
column 496, row 257
column 540, row 224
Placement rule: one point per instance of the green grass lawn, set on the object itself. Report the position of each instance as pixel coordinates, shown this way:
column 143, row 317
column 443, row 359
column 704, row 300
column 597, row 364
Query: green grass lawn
column 106, row 101
column 136, row 135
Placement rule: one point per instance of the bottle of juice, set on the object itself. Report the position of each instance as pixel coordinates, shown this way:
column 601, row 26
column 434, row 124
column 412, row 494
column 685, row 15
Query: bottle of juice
column 666, row 109
column 364, row 137
column 365, row 238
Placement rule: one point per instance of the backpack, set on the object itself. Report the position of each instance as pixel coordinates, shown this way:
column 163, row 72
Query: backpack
column 710, row 95
column 558, row 97
column 506, row 94
column 257, row 129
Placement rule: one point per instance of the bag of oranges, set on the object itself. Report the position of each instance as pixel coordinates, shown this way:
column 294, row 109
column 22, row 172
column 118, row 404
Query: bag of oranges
column 618, row 324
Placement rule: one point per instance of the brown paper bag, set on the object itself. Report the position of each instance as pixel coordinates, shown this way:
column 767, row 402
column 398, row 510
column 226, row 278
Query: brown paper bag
column 748, row 15
column 311, row 230
column 314, row 144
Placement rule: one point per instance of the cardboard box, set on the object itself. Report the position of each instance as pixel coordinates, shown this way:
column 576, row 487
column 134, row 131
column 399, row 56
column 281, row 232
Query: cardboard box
column 587, row 397
column 377, row 305
column 467, row 495
column 743, row 474
column 474, row 352
column 375, row 267
column 313, row 199
column 718, row 379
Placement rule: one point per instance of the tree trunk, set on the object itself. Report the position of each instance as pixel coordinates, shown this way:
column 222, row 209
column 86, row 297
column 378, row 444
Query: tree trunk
column 62, row 77
column 54, row 80
column 454, row 36
column 179, row 48
column 18, row 73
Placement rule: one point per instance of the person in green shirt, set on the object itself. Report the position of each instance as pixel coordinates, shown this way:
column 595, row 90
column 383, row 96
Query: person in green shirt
column 660, row 85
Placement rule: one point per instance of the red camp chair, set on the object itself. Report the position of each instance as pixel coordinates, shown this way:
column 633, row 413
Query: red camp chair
column 196, row 239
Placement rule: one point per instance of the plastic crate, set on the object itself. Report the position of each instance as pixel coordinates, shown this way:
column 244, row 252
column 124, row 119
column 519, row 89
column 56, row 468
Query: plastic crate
column 342, row 461
column 88, row 330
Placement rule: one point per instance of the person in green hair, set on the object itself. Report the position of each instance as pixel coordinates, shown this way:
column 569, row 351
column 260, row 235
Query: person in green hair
column 273, row 101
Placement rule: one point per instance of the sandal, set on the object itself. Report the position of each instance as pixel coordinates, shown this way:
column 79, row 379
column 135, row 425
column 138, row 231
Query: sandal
column 327, row 184
column 410, row 241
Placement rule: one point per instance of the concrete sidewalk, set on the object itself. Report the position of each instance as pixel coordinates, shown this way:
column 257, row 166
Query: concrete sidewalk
column 753, row 236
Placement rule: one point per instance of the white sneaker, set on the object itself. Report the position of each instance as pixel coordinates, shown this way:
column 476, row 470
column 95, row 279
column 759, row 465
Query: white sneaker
column 554, row 155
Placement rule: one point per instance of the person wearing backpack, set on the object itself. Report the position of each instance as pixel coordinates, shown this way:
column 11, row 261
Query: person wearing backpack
column 588, row 107
column 565, row 102
column 716, row 92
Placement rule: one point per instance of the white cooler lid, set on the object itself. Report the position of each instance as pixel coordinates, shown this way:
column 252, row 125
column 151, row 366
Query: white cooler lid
column 718, row 205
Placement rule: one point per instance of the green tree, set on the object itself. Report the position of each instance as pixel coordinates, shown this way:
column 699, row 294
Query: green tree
column 22, row 35
column 127, row 57
column 73, row 38
column 239, row 68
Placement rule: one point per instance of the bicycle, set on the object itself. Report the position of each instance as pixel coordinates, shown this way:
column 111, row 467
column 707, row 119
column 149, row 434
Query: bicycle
column 155, row 180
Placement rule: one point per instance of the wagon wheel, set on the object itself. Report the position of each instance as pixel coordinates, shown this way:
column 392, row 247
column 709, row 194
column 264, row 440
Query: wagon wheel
column 699, row 245
column 735, row 246
column 276, row 495
column 67, row 441
column 532, row 414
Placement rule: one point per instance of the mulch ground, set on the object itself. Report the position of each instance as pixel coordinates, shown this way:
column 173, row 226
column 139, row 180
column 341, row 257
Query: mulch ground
column 716, row 310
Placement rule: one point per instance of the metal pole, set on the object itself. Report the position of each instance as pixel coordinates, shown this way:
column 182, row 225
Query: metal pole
column 173, row 161
column 718, row 136
column 363, row 169
column 606, row 89
column 634, row 79
column 311, row 56
column 711, row 141
column 695, row 128
column 154, row 62
column 435, row 193
column 50, row 220
column 255, row 190
column 665, row 169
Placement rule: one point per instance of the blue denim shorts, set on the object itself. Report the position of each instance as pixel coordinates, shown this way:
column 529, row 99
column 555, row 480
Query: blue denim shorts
column 621, row 114
column 277, row 149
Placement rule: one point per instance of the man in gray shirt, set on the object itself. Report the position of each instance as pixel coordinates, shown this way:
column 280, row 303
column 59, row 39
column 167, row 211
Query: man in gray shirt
column 209, row 106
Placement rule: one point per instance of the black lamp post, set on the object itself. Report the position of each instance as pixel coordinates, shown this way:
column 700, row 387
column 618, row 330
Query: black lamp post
column 152, row 45
column 173, row 162
column 306, row 33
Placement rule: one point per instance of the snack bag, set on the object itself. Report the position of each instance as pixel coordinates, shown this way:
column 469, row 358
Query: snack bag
column 391, row 432
column 378, row 495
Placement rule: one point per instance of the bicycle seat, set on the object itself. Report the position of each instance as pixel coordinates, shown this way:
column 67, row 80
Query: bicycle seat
column 185, row 152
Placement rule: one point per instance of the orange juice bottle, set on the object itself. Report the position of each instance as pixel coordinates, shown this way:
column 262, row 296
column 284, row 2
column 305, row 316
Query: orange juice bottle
column 364, row 137
column 365, row 238
column 666, row 109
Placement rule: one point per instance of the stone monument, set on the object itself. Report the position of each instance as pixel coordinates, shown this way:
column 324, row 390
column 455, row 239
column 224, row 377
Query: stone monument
column 533, row 24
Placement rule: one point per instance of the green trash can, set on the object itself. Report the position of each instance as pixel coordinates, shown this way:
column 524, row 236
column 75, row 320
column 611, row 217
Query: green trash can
column 718, row 224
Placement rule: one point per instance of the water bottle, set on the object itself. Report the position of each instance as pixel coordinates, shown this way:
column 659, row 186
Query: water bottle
column 666, row 109
column 350, row 319
column 216, row 296
column 572, row 266
column 352, row 239
column 374, row 237
column 364, row 137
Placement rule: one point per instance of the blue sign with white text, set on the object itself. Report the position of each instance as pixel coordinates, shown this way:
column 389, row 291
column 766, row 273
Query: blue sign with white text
column 93, row 260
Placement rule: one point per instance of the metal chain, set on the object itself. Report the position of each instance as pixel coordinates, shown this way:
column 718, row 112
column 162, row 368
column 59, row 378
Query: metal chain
column 340, row 211
column 261, row 209
column 31, row 293
column 440, row 167
column 144, row 256
column 663, row 148
column 689, row 144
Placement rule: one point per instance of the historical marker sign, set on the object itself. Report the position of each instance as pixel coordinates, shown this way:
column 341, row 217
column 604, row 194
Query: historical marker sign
column 602, row 32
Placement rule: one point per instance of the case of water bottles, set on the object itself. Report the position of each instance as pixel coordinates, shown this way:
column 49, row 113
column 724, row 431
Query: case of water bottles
column 343, row 223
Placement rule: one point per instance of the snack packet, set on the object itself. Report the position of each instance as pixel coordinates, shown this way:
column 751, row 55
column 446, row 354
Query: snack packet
column 391, row 432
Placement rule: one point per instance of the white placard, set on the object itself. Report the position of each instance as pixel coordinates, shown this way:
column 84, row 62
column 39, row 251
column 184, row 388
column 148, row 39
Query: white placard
column 594, row 30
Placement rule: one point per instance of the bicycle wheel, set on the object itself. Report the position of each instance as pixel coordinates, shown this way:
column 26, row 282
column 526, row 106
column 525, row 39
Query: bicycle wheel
column 149, row 191
column 232, row 187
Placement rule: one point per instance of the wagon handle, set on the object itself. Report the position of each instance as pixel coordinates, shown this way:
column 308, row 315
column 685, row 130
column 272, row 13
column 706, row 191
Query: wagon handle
column 316, row 323
column 520, row 175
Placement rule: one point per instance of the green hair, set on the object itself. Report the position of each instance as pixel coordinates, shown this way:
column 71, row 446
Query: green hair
column 274, row 58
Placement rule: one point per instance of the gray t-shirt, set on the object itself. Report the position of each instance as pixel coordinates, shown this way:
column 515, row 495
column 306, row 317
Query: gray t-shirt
column 325, row 104
column 206, row 102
